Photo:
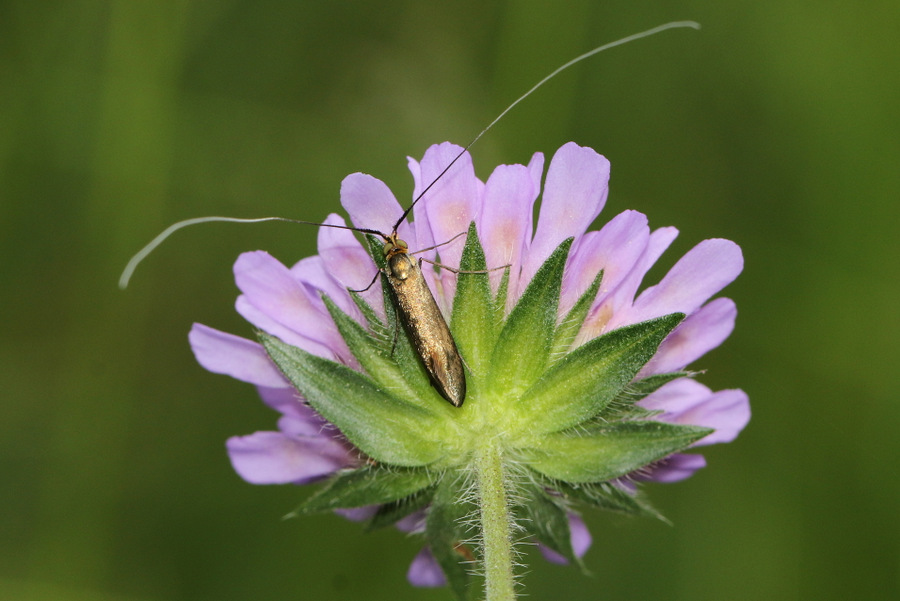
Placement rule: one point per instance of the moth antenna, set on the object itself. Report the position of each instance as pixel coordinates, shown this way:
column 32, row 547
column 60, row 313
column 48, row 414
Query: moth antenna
column 151, row 246
column 144, row 252
column 560, row 69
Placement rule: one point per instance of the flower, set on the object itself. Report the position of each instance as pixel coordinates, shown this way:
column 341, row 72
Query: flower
column 577, row 382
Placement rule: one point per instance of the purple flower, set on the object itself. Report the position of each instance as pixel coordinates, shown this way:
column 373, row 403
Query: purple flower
column 288, row 303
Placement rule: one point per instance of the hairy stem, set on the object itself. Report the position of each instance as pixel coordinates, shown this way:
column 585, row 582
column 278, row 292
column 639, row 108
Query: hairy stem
column 495, row 524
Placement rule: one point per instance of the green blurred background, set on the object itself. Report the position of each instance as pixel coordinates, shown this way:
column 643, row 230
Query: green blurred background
column 775, row 126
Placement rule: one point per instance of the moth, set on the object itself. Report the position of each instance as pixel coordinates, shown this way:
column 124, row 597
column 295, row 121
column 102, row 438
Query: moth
column 422, row 319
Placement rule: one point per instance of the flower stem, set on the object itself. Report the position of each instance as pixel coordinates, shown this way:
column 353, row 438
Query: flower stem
column 495, row 524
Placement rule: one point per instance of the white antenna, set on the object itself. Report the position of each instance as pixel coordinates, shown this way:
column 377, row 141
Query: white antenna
column 142, row 254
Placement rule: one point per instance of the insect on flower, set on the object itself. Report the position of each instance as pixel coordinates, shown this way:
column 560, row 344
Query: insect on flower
column 419, row 313
column 427, row 328
column 577, row 384
column 413, row 300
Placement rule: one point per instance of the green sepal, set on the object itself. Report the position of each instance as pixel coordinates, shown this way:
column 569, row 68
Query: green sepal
column 500, row 299
column 445, row 531
column 545, row 517
column 376, row 249
column 374, row 357
column 391, row 513
column 377, row 327
column 370, row 485
column 646, row 386
column 625, row 408
column 574, row 319
column 382, row 426
column 622, row 410
column 607, row 496
column 603, row 452
column 530, row 325
column 472, row 321
column 584, row 382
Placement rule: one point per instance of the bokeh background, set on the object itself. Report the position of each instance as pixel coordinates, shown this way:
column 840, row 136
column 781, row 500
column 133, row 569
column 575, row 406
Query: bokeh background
column 775, row 126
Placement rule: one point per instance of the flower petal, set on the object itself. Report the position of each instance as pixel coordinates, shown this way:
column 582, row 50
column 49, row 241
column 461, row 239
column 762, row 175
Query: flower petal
column 702, row 272
column 536, row 169
column 728, row 411
column 581, row 541
column 313, row 273
column 275, row 458
column 674, row 468
column 264, row 322
column 446, row 211
column 506, row 216
column 622, row 298
column 370, row 203
column 348, row 263
column 452, row 202
column 703, row 331
column 615, row 249
column 286, row 401
column 305, row 425
column 413, row 523
column 425, row 571
column 270, row 287
column 574, row 193
column 676, row 397
column 358, row 514
column 686, row 401
column 243, row 359
column 612, row 311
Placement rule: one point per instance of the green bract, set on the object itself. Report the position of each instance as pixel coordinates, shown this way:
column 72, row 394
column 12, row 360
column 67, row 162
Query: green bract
column 559, row 423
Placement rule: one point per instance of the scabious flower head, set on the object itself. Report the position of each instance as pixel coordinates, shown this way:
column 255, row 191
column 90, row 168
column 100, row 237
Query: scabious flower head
column 577, row 382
